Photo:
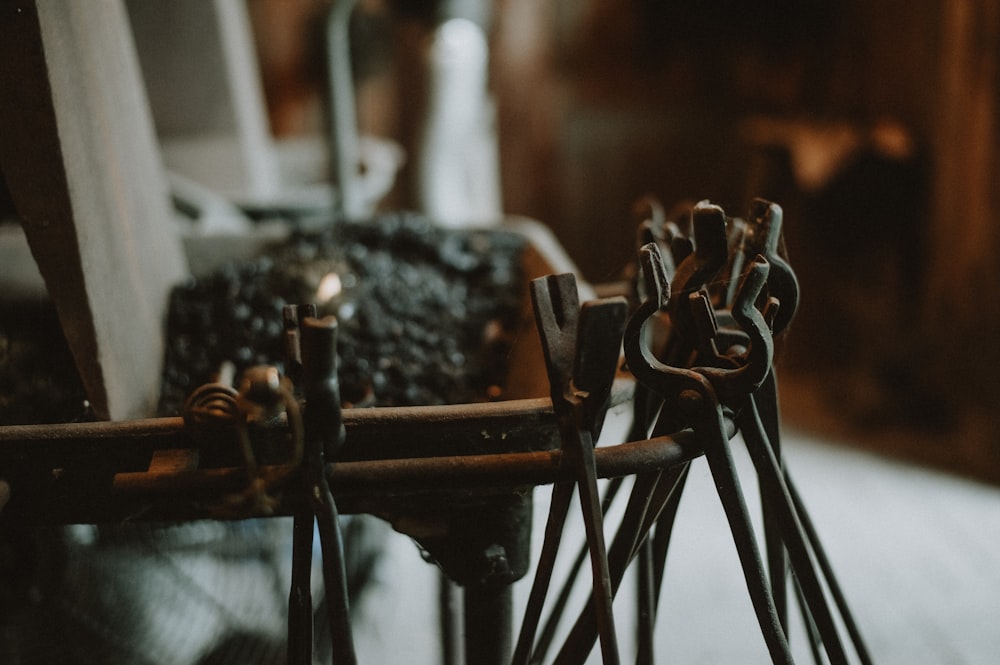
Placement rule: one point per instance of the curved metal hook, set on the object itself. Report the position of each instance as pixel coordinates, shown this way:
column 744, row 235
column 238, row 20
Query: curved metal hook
column 729, row 383
column 763, row 236
column 666, row 381
column 711, row 253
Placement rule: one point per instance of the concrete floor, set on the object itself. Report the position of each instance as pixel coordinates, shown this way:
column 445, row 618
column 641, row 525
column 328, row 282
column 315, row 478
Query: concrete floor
column 913, row 551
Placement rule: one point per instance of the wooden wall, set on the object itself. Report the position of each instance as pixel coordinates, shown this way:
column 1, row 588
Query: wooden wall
column 872, row 123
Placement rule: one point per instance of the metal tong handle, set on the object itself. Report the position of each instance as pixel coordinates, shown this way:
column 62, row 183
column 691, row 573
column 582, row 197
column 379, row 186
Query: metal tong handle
column 324, row 434
column 581, row 349
column 695, row 395
column 800, row 539
column 763, row 237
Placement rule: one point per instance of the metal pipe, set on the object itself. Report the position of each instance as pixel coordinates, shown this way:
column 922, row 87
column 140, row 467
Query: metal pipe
column 438, row 474
column 488, row 615
column 48, row 498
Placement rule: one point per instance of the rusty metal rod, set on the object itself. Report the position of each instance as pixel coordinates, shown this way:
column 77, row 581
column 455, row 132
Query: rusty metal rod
column 183, row 494
column 367, row 429
column 437, row 474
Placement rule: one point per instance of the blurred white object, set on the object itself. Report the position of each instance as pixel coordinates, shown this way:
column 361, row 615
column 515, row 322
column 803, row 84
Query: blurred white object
column 458, row 180
column 208, row 211
column 205, row 92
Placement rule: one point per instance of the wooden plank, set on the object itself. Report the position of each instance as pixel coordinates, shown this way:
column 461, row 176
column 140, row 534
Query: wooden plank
column 80, row 158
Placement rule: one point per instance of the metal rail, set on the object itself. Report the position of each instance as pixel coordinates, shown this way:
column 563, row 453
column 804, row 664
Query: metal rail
column 148, row 469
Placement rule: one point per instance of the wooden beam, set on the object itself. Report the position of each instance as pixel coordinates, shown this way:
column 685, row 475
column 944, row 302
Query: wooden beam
column 81, row 160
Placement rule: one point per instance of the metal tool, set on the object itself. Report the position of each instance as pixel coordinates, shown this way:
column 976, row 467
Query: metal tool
column 324, row 435
column 655, row 494
column 710, row 255
column 698, row 395
column 794, row 531
column 712, row 227
column 547, row 634
column 216, row 412
column 780, row 505
column 763, row 236
column 719, row 352
column 581, row 349
column 652, row 490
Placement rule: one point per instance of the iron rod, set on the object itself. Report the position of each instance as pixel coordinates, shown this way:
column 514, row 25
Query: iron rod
column 488, row 619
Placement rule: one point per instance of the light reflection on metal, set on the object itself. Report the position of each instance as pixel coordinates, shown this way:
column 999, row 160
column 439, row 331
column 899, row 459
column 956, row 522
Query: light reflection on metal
column 329, row 288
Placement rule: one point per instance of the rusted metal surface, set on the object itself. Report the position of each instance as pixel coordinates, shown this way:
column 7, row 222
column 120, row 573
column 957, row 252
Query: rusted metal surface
column 372, row 434
column 711, row 295
column 699, row 393
column 459, row 479
column 121, row 492
column 324, row 435
column 581, row 349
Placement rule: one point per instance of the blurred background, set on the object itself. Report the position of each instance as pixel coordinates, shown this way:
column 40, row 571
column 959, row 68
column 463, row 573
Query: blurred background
column 872, row 124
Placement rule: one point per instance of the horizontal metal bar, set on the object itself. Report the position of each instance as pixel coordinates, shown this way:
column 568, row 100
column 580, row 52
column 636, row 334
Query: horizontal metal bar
column 111, row 471
column 372, row 486
column 378, row 433
column 380, row 487
column 430, row 475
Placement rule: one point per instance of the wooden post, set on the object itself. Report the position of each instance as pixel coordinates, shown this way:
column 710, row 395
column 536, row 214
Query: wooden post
column 960, row 316
column 80, row 158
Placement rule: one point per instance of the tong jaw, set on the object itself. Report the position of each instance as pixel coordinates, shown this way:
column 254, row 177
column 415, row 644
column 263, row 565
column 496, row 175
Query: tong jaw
column 728, row 384
column 763, row 236
column 710, row 255
column 556, row 304
column 751, row 366
column 581, row 346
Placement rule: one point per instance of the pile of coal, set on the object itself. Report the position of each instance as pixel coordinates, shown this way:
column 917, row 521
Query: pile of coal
column 38, row 379
column 426, row 315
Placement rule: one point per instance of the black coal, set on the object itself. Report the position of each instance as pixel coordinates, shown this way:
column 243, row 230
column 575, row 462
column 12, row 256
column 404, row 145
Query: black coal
column 426, row 314
column 38, row 380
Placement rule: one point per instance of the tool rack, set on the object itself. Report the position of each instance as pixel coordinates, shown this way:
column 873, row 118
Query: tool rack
column 459, row 479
